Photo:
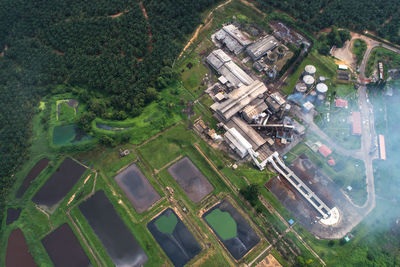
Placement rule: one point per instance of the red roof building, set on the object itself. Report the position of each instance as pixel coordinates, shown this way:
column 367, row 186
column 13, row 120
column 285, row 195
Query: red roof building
column 356, row 120
column 324, row 150
column 382, row 148
column 341, row 103
column 331, row 162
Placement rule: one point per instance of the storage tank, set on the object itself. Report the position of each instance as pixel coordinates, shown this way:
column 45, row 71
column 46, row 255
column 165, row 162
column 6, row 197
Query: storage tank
column 301, row 88
column 280, row 51
column 322, row 79
column 272, row 57
column 322, row 89
column 310, row 70
column 308, row 80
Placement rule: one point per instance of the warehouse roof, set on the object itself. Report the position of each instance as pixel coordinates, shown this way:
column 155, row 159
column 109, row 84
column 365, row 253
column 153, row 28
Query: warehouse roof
column 324, row 150
column 261, row 47
column 224, row 65
column 237, row 142
column 251, row 135
column 238, row 99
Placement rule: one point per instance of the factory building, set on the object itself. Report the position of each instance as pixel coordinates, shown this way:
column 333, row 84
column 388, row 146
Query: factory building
column 251, row 135
column 356, row 123
column 275, row 102
column 261, row 47
column 224, row 65
column 233, row 39
column 238, row 99
column 253, row 111
column 237, row 142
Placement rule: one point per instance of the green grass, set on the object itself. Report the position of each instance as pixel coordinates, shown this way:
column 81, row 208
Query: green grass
column 65, row 112
column 359, row 48
column 222, row 223
column 167, row 146
column 166, row 224
column 154, row 118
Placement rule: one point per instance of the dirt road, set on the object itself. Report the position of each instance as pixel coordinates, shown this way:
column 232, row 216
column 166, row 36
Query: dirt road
column 207, row 22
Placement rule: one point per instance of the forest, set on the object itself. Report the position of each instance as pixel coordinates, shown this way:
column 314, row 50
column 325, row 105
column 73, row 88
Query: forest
column 113, row 57
column 380, row 17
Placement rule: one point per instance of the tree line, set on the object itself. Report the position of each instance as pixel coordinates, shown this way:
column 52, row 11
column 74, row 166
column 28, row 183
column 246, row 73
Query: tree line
column 119, row 64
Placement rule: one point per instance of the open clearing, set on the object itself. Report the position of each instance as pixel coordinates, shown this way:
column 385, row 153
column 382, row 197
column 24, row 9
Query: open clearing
column 245, row 238
column 112, row 232
column 191, row 180
column 33, row 173
column 59, row 184
column 137, row 188
column 17, row 251
column 325, row 189
column 64, row 249
column 174, row 237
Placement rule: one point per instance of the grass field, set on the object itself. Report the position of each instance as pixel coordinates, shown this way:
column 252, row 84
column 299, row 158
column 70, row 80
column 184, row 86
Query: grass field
column 358, row 49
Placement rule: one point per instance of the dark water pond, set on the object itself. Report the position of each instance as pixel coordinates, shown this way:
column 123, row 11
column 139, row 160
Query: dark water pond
column 190, row 179
column 112, row 232
column 64, row 248
column 174, row 237
column 59, row 184
column 12, row 215
column 17, row 251
column 33, row 173
column 110, row 128
column 137, row 188
column 69, row 134
column 246, row 238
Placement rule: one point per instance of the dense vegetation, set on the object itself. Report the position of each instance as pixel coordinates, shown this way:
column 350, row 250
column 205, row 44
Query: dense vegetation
column 116, row 64
column 381, row 17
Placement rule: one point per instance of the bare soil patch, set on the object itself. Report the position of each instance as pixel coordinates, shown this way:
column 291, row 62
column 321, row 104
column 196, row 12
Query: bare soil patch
column 17, row 251
column 190, row 179
column 137, row 188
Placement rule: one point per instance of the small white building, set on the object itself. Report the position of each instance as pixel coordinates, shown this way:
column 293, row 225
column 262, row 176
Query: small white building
column 342, row 67
column 237, row 142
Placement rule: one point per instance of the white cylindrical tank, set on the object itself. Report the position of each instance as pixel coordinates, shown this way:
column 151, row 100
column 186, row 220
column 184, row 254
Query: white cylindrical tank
column 310, row 70
column 308, row 80
column 322, row 79
column 301, row 87
column 322, row 89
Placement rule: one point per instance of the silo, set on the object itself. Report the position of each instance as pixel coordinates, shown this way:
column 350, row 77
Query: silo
column 322, row 89
column 310, row 70
column 301, row 88
column 308, row 80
